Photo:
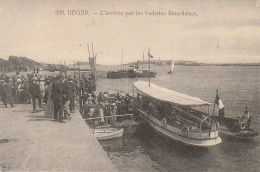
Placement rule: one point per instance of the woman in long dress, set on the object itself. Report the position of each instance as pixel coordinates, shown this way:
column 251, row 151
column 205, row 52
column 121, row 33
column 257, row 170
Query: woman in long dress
column 49, row 111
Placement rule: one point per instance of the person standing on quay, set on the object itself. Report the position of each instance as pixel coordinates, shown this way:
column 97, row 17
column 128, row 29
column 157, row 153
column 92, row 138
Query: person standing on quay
column 73, row 95
column 66, row 96
column 7, row 93
column 35, row 93
column 57, row 98
column 27, row 92
column 1, row 89
column 49, row 111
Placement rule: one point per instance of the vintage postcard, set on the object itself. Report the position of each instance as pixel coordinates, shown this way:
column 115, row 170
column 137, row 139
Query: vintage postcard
column 149, row 85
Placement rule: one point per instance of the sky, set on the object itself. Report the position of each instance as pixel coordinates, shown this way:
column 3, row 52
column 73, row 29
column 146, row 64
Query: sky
column 223, row 31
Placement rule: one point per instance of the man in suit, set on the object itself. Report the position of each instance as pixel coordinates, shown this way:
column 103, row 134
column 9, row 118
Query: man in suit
column 35, row 93
column 57, row 95
column 26, row 88
column 73, row 95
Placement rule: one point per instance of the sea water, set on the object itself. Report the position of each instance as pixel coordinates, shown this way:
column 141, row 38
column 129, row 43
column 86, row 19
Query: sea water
column 145, row 150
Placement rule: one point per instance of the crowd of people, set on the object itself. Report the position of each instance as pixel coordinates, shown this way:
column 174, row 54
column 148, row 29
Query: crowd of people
column 16, row 89
column 59, row 93
column 107, row 106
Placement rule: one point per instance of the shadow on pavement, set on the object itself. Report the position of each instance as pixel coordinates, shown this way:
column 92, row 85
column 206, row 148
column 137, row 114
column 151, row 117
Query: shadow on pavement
column 37, row 111
column 7, row 140
column 35, row 116
column 4, row 141
column 38, row 118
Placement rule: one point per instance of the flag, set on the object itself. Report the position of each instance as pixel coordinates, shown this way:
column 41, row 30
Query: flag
column 149, row 54
column 220, row 104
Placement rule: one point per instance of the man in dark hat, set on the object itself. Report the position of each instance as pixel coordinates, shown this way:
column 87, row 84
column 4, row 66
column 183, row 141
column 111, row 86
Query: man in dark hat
column 1, row 88
column 35, row 93
column 7, row 93
column 57, row 98
column 26, row 88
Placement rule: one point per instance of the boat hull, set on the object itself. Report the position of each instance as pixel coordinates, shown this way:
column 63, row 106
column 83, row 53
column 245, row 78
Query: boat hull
column 176, row 133
column 241, row 134
column 229, row 127
column 120, row 74
column 107, row 133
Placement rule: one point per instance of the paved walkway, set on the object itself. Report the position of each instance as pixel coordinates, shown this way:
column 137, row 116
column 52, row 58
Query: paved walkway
column 30, row 142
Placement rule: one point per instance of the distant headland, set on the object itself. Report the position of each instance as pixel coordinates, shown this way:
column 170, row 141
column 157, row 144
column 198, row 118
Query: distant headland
column 191, row 63
column 15, row 63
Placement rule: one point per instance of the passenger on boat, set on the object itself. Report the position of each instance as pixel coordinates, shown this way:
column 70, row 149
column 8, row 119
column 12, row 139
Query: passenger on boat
column 95, row 100
column 100, row 97
column 101, row 112
column 114, row 111
column 90, row 98
column 91, row 112
column 105, row 95
column 119, row 106
column 246, row 114
column 117, row 96
column 106, row 109
column 127, row 99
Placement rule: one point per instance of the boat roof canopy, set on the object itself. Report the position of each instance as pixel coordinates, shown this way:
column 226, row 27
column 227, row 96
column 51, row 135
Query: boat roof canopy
column 168, row 95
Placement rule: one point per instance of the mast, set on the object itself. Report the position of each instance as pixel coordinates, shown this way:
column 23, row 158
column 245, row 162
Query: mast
column 79, row 70
column 143, row 61
column 92, row 61
column 74, row 69
column 122, row 58
column 89, row 56
column 88, row 52
column 65, row 69
column 92, row 51
column 60, row 68
column 143, row 56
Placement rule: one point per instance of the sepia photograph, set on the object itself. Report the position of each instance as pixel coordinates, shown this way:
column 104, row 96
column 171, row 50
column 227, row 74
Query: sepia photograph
column 130, row 86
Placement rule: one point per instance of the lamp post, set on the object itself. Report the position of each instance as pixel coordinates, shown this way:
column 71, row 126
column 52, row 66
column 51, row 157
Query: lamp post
column 149, row 65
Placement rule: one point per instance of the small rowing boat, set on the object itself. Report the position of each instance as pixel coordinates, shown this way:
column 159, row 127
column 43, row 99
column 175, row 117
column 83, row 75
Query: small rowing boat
column 107, row 133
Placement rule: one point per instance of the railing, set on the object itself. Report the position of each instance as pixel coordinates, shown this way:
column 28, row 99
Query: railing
column 106, row 117
column 211, row 121
column 203, row 120
column 191, row 115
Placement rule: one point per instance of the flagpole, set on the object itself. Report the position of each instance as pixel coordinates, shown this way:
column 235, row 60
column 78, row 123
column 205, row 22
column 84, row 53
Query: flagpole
column 74, row 70
column 215, row 103
column 149, row 65
column 79, row 70
column 88, row 52
column 143, row 57
column 122, row 59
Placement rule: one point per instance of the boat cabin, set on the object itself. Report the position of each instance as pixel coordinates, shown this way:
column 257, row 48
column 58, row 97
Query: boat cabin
column 173, row 114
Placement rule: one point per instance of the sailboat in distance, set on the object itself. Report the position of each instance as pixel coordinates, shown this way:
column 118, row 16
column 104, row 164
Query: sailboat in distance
column 172, row 67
